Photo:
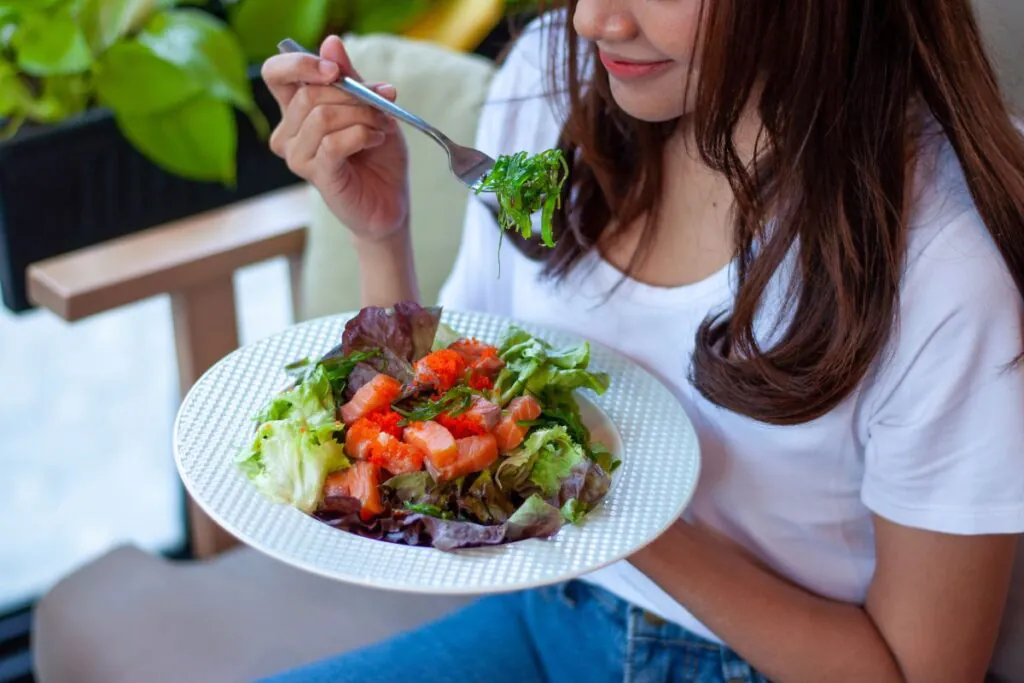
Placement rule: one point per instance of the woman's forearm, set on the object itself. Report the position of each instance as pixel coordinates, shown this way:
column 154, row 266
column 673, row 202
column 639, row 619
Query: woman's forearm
column 785, row 632
column 387, row 270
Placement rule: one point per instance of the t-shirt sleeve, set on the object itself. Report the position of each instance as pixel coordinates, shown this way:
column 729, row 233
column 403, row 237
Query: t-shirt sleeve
column 945, row 434
column 518, row 114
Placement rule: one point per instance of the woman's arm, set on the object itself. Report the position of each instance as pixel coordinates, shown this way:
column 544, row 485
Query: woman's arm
column 932, row 612
column 387, row 269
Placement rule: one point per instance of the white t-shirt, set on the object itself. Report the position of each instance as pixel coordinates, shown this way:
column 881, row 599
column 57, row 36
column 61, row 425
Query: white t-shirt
column 933, row 438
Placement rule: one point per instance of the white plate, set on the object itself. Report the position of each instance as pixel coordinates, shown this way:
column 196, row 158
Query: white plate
column 638, row 418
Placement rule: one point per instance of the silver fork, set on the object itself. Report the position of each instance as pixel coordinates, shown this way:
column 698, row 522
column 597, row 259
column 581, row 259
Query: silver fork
column 467, row 164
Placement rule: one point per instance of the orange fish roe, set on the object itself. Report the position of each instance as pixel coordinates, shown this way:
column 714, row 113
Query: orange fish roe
column 440, row 369
column 461, row 426
column 387, row 421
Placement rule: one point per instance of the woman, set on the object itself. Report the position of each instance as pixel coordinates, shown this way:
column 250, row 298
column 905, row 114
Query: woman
column 808, row 219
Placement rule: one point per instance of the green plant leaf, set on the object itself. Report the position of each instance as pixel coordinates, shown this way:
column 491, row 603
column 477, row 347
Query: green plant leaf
column 205, row 48
column 61, row 97
column 13, row 93
column 30, row 4
column 393, row 16
column 50, row 45
column 133, row 81
column 196, row 140
column 261, row 24
column 105, row 21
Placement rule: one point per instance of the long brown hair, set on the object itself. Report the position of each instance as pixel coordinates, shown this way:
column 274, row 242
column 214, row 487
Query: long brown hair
column 840, row 80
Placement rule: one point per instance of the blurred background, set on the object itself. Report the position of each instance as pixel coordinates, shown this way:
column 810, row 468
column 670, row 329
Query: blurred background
column 118, row 116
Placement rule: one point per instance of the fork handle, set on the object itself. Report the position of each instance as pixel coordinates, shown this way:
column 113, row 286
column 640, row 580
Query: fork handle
column 361, row 92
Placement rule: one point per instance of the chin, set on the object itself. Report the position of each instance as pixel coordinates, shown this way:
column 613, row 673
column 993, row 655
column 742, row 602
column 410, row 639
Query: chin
column 647, row 105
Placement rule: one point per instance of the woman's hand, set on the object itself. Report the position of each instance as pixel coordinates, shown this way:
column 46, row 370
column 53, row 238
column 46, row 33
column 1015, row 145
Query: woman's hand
column 353, row 154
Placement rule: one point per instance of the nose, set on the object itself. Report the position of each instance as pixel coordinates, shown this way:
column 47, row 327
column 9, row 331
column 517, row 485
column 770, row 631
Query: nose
column 608, row 21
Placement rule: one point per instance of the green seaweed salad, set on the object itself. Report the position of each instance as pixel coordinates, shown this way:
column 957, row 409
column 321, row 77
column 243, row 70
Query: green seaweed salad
column 525, row 184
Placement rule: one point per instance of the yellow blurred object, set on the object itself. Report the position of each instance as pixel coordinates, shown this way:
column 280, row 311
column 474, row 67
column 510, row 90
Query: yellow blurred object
column 458, row 24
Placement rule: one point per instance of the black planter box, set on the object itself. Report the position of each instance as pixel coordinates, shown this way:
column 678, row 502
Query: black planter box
column 81, row 182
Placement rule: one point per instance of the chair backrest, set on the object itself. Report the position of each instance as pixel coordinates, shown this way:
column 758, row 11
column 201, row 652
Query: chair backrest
column 1002, row 23
column 445, row 87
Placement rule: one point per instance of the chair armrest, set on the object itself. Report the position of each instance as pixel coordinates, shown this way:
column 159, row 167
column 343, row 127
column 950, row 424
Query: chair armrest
column 171, row 257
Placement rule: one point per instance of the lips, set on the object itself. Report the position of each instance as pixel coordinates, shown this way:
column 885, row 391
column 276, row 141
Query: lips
column 627, row 69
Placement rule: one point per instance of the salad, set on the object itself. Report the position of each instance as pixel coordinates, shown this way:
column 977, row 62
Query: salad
column 524, row 185
column 410, row 433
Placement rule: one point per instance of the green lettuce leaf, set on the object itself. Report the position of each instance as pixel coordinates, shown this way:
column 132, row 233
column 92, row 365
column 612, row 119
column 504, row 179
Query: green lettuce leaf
column 295, row 446
column 534, row 366
column 311, row 401
column 574, row 511
column 444, row 337
column 288, row 463
column 556, row 456
column 544, row 460
column 336, row 365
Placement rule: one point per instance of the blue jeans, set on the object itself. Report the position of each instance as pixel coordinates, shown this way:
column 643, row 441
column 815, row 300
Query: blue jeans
column 569, row 632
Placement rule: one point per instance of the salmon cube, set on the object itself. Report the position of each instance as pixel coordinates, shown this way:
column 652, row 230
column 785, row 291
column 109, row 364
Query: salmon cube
column 484, row 413
column 440, row 370
column 377, row 394
column 434, row 441
column 509, row 433
column 394, row 456
column 362, row 482
column 475, row 453
column 359, row 438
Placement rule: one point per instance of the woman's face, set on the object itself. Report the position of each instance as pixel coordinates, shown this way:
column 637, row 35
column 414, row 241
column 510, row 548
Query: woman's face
column 646, row 47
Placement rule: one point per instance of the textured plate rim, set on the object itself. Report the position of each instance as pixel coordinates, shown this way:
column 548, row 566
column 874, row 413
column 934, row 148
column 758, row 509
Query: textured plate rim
column 684, row 499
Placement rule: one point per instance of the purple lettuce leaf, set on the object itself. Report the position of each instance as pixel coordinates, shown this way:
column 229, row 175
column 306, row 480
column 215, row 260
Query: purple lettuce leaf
column 587, row 482
column 534, row 519
column 407, row 331
column 401, row 336
column 422, row 324
column 419, row 489
column 485, row 501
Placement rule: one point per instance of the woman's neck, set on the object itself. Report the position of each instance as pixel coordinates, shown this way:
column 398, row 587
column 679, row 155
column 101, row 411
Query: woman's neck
column 693, row 231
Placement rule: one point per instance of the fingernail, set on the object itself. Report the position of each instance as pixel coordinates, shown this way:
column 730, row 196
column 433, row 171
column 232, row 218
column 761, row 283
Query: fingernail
column 386, row 90
column 328, row 68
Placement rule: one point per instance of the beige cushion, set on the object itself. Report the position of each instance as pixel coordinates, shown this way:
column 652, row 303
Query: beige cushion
column 447, row 89
column 130, row 616
column 1002, row 24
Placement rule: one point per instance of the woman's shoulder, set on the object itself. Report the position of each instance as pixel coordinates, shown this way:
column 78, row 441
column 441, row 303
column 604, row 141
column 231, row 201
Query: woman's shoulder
column 952, row 260
column 960, row 311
